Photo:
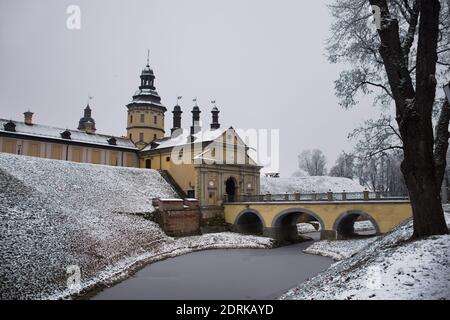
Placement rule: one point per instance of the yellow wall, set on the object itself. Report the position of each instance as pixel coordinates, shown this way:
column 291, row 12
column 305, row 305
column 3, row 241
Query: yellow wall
column 184, row 174
column 62, row 151
column 149, row 128
column 386, row 214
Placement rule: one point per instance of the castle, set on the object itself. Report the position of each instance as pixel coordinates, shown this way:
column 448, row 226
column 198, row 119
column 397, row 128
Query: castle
column 203, row 163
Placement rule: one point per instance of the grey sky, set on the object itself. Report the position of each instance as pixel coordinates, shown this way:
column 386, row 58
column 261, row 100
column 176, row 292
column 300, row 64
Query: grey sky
column 263, row 61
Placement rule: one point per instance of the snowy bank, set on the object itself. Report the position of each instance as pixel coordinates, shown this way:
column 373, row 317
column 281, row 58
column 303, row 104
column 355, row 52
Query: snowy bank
column 54, row 214
column 386, row 267
column 308, row 185
column 338, row 249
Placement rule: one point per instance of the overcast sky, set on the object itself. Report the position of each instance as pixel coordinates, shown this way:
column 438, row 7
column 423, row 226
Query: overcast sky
column 262, row 60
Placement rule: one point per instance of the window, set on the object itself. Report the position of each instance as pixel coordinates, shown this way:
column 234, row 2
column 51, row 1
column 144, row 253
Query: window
column 131, row 118
column 213, row 153
column 142, row 117
column 191, row 194
column 155, row 120
column 154, row 136
column 131, row 136
column 167, row 159
column 148, row 163
column 141, row 136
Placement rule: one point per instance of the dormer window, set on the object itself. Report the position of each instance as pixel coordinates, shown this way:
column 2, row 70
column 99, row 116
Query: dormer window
column 66, row 134
column 112, row 141
column 10, row 126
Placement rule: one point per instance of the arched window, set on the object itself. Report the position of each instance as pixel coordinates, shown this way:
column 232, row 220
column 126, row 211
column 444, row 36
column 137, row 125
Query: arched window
column 155, row 120
column 142, row 117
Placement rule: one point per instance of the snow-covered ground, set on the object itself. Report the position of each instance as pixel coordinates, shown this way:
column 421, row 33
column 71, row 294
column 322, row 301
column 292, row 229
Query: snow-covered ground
column 338, row 249
column 308, row 185
column 305, row 228
column 385, row 267
column 54, row 214
column 365, row 225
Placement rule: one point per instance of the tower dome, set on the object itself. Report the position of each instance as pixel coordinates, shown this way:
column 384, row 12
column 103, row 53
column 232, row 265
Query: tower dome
column 145, row 111
column 87, row 123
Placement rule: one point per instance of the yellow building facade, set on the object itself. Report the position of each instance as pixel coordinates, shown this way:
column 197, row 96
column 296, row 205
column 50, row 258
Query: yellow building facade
column 204, row 163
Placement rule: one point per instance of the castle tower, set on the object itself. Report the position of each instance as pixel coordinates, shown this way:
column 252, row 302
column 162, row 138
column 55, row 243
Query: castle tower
column 87, row 123
column 145, row 121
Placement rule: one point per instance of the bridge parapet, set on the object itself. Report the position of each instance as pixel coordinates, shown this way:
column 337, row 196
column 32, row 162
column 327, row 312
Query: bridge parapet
column 324, row 196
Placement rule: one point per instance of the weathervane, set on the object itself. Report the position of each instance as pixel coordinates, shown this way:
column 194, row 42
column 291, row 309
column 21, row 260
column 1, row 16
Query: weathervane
column 178, row 99
column 195, row 100
column 148, row 57
column 213, row 102
column 89, row 99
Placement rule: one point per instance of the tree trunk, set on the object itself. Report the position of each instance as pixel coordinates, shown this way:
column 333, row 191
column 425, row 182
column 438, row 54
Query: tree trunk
column 424, row 192
column 414, row 112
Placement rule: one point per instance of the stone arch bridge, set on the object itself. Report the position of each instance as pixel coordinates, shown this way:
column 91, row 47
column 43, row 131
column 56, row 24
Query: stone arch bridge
column 277, row 216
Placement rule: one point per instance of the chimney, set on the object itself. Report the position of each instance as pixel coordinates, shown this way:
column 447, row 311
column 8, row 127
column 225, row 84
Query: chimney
column 28, row 117
column 176, row 129
column 215, row 119
column 196, row 127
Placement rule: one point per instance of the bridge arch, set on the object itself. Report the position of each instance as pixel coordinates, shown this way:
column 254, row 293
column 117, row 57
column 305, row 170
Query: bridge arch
column 344, row 223
column 250, row 221
column 284, row 224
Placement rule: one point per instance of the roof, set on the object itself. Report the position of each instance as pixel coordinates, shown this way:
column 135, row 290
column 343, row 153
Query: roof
column 185, row 138
column 146, row 96
column 47, row 132
column 205, row 136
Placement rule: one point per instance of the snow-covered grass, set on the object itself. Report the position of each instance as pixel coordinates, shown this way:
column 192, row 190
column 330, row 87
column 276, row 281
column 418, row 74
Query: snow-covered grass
column 308, row 185
column 338, row 249
column 54, row 214
column 386, row 267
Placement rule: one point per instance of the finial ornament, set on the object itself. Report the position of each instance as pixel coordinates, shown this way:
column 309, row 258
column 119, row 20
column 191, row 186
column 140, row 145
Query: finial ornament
column 179, row 98
column 195, row 100
column 148, row 57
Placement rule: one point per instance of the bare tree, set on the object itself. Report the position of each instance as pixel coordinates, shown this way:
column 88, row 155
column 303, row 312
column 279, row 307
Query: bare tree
column 344, row 166
column 402, row 63
column 313, row 162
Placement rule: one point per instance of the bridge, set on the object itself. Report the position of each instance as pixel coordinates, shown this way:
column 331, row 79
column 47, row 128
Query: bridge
column 335, row 214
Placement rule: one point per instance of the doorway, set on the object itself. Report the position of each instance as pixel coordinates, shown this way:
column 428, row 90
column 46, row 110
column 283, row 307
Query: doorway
column 230, row 189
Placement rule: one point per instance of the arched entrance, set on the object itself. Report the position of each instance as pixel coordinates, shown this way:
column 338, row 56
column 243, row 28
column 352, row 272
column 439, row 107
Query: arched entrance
column 352, row 224
column 249, row 222
column 230, row 189
column 293, row 225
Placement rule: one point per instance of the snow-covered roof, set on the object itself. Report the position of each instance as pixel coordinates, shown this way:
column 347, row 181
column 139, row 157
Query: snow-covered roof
column 43, row 131
column 147, row 96
column 185, row 138
column 309, row 184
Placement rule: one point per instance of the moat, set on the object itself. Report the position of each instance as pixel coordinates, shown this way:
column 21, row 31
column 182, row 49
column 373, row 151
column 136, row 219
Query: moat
column 222, row 274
